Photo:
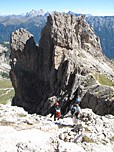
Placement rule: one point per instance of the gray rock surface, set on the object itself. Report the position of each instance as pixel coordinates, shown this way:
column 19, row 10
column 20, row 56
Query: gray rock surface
column 22, row 132
column 64, row 65
column 4, row 58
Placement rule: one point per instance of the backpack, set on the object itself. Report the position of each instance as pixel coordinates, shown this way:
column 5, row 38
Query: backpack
column 74, row 110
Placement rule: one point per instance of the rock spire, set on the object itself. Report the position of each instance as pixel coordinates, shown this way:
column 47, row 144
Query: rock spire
column 64, row 65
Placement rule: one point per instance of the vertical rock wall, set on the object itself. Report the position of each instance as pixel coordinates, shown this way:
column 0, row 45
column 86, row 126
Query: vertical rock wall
column 68, row 50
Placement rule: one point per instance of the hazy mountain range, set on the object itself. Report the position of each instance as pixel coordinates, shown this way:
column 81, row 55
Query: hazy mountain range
column 34, row 21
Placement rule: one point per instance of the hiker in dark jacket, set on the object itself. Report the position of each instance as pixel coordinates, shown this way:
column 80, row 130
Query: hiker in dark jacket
column 76, row 111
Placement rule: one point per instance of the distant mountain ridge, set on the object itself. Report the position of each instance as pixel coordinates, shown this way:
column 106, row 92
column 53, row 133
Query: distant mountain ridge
column 10, row 23
column 104, row 28
column 34, row 21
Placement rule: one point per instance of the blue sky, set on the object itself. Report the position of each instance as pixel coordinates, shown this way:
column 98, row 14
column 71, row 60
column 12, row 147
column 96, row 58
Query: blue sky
column 94, row 7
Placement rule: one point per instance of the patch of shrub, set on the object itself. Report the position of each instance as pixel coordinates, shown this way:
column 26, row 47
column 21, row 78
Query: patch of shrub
column 87, row 139
column 102, row 79
column 112, row 139
column 5, row 75
column 22, row 115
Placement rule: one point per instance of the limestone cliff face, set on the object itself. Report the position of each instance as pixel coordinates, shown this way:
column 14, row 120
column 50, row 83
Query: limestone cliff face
column 62, row 66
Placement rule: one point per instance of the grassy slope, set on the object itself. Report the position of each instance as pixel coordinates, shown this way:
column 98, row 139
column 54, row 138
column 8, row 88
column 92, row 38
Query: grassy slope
column 102, row 79
column 6, row 91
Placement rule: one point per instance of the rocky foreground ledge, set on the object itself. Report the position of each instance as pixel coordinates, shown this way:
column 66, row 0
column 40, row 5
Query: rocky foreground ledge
column 22, row 132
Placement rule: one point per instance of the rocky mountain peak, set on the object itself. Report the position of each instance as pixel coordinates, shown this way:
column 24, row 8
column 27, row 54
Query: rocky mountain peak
column 34, row 13
column 63, row 66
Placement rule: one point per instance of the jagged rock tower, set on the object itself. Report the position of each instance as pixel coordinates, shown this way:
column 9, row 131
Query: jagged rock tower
column 63, row 66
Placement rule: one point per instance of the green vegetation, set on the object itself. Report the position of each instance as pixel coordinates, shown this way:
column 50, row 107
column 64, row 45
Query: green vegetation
column 87, row 139
column 112, row 139
column 5, row 83
column 87, row 129
column 22, row 115
column 6, row 91
column 2, row 92
column 6, row 97
column 102, row 79
column 5, row 75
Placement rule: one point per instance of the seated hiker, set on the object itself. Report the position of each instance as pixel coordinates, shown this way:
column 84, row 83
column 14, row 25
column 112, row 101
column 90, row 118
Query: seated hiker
column 57, row 113
column 76, row 111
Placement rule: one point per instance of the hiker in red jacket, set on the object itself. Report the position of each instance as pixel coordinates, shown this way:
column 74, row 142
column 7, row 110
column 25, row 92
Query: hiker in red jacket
column 55, row 110
column 57, row 113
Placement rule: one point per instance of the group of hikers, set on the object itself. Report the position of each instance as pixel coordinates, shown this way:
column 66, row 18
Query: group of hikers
column 75, row 111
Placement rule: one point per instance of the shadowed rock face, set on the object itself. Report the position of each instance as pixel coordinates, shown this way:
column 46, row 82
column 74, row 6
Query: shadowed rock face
column 62, row 67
